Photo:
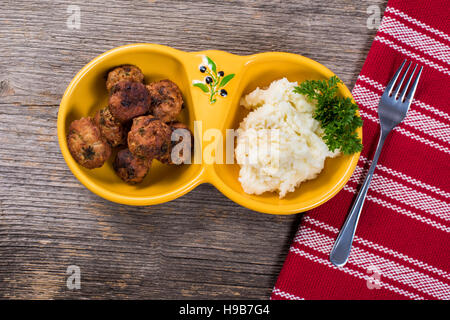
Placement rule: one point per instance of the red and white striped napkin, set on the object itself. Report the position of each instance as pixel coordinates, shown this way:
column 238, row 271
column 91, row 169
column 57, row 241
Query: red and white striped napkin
column 402, row 244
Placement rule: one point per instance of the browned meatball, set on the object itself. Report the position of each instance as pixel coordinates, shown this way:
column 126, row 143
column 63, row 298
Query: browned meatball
column 130, row 168
column 125, row 72
column 166, row 100
column 128, row 100
column 180, row 158
column 111, row 129
column 149, row 137
column 86, row 144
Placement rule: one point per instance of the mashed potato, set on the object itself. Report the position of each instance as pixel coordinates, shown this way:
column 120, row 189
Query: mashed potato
column 279, row 143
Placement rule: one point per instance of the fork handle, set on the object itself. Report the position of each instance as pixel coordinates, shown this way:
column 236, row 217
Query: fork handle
column 343, row 245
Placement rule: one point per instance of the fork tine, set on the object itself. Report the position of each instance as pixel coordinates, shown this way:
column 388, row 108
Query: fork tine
column 411, row 93
column 399, row 86
column 391, row 83
column 405, row 90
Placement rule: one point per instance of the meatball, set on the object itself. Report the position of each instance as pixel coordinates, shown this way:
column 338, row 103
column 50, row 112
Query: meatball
column 180, row 158
column 149, row 137
column 86, row 144
column 128, row 100
column 125, row 72
column 130, row 168
column 166, row 100
column 111, row 129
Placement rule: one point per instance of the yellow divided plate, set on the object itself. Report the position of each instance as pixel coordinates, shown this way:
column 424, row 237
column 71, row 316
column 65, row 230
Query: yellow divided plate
column 87, row 93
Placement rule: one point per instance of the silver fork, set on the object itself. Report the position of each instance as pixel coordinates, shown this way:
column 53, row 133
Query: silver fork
column 391, row 111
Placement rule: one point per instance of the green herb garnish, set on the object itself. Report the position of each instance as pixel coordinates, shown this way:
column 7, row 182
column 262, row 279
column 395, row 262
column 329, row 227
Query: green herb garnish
column 336, row 115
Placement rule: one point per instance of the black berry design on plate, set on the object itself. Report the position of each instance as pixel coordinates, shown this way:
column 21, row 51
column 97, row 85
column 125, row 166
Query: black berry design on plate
column 214, row 82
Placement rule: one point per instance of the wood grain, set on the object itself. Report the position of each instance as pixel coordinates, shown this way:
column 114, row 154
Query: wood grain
column 199, row 246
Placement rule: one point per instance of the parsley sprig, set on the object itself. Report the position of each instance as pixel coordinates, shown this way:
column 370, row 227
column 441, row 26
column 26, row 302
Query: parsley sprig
column 336, row 115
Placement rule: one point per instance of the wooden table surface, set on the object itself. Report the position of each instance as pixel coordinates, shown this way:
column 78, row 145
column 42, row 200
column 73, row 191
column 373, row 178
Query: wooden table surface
column 201, row 245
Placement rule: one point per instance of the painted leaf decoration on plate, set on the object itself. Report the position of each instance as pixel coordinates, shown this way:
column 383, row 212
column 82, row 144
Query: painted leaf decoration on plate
column 213, row 82
column 211, row 65
column 201, row 86
column 226, row 79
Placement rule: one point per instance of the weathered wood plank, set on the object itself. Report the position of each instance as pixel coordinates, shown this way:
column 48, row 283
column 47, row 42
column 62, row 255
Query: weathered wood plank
column 199, row 246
